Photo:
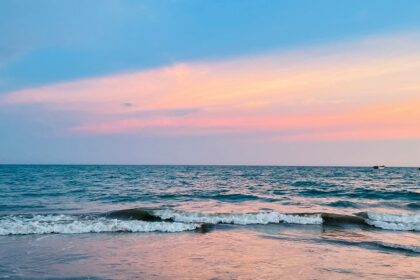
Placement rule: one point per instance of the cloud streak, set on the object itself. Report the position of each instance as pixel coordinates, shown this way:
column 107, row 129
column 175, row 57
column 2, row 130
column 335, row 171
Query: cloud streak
column 368, row 89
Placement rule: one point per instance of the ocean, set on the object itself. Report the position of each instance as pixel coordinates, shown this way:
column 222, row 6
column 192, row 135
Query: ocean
column 208, row 222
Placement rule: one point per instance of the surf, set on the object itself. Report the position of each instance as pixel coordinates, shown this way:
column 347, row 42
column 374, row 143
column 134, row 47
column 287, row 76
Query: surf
column 77, row 224
column 172, row 220
column 390, row 221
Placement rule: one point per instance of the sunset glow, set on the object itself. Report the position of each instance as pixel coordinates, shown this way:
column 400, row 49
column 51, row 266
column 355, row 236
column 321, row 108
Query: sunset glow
column 367, row 89
column 232, row 82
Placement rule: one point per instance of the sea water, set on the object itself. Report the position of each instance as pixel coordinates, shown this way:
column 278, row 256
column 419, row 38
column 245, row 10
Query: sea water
column 209, row 222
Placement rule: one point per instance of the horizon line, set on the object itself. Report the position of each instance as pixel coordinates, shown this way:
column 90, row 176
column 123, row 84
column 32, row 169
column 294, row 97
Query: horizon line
column 197, row 165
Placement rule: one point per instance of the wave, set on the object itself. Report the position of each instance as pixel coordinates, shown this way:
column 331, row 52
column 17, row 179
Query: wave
column 402, row 247
column 373, row 244
column 413, row 205
column 170, row 220
column 71, row 224
column 378, row 245
column 404, row 222
column 238, row 218
column 397, row 222
column 343, row 204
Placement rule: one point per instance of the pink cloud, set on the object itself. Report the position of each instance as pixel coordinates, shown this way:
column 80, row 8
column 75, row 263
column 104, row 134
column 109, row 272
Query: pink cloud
column 360, row 90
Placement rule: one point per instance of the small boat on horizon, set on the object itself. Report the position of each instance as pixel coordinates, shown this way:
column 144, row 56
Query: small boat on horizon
column 379, row 167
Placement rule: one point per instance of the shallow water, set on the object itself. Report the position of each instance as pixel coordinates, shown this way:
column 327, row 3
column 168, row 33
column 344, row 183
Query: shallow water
column 209, row 222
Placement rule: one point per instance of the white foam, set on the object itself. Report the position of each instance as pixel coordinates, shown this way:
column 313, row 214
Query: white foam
column 44, row 224
column 238, row 218
column 390, row 221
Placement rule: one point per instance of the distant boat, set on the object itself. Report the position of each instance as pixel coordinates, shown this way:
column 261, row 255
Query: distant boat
column 379, row 167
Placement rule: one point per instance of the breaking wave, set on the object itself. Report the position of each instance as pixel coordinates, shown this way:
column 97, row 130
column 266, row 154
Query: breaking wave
column 238, row 218
column 169, row 220
column 68, row 224
column 403, row 222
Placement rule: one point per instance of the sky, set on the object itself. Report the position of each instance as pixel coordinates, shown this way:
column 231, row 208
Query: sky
column 210, row 82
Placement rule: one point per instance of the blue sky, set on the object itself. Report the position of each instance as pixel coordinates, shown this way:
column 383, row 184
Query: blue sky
column 49, row 42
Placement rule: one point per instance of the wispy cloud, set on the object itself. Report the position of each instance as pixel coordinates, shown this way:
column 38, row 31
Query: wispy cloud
column 367, row 89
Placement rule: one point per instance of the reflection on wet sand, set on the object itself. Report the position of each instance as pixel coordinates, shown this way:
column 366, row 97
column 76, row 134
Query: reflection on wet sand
column 230, row 252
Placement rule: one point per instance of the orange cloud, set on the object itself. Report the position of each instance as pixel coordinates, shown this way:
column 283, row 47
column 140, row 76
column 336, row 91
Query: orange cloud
column 360, row 90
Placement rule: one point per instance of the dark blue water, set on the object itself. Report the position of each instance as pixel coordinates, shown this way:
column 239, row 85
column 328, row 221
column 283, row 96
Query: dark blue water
column 372, row 210
column 62, row 188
